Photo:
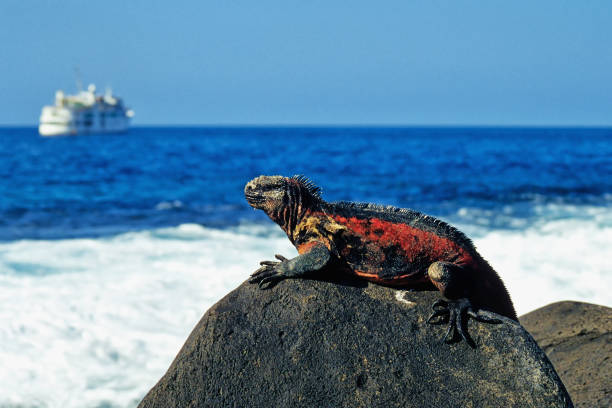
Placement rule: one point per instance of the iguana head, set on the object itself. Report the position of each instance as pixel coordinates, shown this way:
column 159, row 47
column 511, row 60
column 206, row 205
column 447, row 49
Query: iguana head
column 276, row 194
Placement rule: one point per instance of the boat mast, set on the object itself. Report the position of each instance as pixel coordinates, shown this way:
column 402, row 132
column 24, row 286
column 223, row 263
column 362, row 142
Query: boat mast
column 77, row 75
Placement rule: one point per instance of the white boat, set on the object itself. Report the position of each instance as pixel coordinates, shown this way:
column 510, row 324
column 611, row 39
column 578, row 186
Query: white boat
column 84, row 113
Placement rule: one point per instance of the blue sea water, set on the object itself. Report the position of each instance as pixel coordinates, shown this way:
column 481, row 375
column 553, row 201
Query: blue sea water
column 112, row 246
column 157, row 177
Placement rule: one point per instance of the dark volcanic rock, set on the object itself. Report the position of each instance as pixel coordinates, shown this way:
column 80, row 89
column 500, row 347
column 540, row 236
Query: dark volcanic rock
column 307, row 343
column 577, row 337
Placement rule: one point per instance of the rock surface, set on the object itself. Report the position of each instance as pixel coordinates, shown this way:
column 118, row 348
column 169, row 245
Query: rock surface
column 577, row 337
column 307, row 343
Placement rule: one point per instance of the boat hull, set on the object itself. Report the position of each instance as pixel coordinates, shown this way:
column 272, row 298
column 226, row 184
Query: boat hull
column 67, row 129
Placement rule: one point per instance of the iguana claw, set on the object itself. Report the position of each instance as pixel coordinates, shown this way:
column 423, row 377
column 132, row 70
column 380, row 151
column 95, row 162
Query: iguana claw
column 455, row 312
column 268, row 274
column 281, row 258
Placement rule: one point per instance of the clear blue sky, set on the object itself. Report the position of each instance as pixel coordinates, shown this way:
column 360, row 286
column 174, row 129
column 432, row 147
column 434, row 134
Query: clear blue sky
column 316, row 62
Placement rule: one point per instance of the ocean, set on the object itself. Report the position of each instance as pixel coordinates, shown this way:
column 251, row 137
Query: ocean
column 113, row 246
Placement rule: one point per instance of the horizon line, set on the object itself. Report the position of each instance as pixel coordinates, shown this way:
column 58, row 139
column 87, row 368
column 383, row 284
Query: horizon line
column 347, row 125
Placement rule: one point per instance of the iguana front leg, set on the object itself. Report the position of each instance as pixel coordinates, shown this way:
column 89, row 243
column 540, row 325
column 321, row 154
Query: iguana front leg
column 271, row 272
column 449, row 279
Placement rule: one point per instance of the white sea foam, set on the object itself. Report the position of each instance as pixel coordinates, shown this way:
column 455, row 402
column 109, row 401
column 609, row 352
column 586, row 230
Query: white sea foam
column 96, row 322
column 88, row 322
column 555, row 260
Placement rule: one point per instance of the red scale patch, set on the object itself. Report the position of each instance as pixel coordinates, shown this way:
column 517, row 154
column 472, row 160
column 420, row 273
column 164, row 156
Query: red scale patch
column 413, row 241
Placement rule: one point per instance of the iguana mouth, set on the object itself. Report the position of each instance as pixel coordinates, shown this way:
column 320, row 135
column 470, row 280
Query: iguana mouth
column 254, row 199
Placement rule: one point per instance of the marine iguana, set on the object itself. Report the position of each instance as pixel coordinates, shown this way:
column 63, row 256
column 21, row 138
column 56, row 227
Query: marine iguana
column 383, row 244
